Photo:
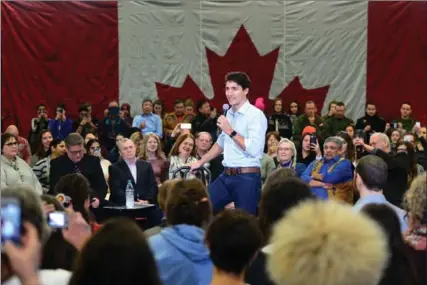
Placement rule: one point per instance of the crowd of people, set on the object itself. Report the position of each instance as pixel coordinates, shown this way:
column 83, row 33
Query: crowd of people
column 290, row 197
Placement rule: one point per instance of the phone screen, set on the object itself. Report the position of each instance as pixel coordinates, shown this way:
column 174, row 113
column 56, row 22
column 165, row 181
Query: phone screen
column 313, row 139
column 186, row 126
column 57, row 219
column 10, row 220
column 418, row 124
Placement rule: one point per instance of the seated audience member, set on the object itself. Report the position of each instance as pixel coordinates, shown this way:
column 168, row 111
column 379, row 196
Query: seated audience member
column 20, row 264
column 183, row 153
column 90, row 136
column 61, row 126
column 76, row 161
column 164, row 191
column 138, row 172
column 309, row 118
column 338, row 122
column 294, row 111
column 395, row 136
column 414, row 168
column 179, row 249
column 203, row 145
column 309, row 152
column 39, row 123
column 371, row 177
column 397, row 178
column 326, row 243
column 171, row 120
column 415, row 203
column 332, row 175
column 205, row 121
column 111, row 126
column 94, row 148
column 400, row 269
column 14, row 170
column 286, row 156
column 42, row 167
column 77, row 188
column 148, row 122
column 331, row 110
column 152, row 153
column 271, row 142
column 159, row 108
column 267, row 166
column 281, row 192
column 85, row 123
column 125, row 114
column 42, row 148
column 279, row 121
column 348, row 148
column 114, row 154
column 350, row 130
column 406, row 122
column 137, row 139
column 371, row 122
column 24, row 150
column 57, row 252
column 117, row 254
column 234, row 239
column 421, row 146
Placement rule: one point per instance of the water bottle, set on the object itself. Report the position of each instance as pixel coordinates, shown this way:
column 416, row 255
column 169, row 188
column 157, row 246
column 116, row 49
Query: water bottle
column 130, row 200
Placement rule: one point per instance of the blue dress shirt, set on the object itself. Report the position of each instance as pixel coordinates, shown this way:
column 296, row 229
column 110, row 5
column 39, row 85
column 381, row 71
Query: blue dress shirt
column 153, row 124
column 250, row 123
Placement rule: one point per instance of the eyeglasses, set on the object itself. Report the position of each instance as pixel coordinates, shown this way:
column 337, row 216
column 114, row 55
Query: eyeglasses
column 12, row 144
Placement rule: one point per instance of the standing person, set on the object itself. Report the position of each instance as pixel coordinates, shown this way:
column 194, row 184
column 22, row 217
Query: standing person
column 61, row 126
column 242, row 141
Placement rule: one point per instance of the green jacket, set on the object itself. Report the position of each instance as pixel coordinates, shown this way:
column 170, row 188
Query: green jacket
column 407, row 124
column 302, row 121
column 332, row 126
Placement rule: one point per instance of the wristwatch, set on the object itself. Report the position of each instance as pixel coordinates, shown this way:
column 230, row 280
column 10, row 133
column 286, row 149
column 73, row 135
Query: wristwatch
column 233, row 133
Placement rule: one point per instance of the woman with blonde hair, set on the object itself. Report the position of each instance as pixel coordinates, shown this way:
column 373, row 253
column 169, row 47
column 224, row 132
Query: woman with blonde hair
column 152, row 153
column 286, row 156
column 137, row 138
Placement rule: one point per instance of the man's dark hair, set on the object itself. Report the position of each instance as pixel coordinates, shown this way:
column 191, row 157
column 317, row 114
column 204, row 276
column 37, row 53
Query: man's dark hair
column 83, row 108
column 233, row 238
column 60, row 106
column 40, row 105
column 370, row 103
column 406, row 103
column 73, row 139
column 147, row 100
column 178, row 101
column 373, row 171
column 241, row 78
column 281, row 192
column 331, row 103
column 341, row 104
column 200, row 103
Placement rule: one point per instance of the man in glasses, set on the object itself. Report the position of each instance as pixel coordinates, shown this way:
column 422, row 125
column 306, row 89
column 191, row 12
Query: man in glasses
column 76, row 161
column 39, row 123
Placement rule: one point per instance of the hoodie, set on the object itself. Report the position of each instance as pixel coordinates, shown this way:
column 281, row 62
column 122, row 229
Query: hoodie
column 181, row 255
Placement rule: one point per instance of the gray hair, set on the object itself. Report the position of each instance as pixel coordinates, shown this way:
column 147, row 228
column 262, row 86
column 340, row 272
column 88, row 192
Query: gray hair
column 74, row 139
column 123, row 141
column 203, row 133
column 31, row 207
column 336, row 140
column 383, row 137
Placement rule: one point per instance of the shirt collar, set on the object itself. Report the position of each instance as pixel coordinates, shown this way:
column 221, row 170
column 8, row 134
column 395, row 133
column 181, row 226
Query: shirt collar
column 242, row 109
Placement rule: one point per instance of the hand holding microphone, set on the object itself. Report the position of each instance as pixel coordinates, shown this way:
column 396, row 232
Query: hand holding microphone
column 222, row 122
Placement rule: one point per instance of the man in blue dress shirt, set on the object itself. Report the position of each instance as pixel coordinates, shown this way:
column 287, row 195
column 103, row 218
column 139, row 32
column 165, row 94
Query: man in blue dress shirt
column 148, row 122
column 242, row 142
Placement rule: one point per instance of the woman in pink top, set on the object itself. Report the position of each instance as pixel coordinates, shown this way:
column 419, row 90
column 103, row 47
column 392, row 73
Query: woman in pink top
column 152, row 153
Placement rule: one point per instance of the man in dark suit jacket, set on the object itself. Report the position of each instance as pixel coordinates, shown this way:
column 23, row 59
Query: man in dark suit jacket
column 76, row 161
column 139, row 172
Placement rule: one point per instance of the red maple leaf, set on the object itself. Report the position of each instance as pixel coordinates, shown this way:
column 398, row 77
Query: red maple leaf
column 294, row 91
column 242, row 55
column 169, row 94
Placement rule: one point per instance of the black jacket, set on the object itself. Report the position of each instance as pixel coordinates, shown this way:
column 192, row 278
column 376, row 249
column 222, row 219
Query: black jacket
column 145, row 187
column 283, row 124
column 202, row 123
column 89, row 166
column 397, row 181
column 377, row 124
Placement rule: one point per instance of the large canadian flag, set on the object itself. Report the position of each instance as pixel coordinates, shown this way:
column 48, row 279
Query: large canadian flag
column 352, row 51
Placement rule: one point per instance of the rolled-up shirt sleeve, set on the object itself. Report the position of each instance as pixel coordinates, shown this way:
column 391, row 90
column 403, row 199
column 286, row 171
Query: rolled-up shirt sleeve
column 257, row 127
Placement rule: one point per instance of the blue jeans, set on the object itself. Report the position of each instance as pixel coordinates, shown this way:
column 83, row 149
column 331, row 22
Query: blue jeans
column 243, row 189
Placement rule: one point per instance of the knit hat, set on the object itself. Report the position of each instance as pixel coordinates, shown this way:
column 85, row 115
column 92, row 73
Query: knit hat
column 309, row 129
column 259, row 103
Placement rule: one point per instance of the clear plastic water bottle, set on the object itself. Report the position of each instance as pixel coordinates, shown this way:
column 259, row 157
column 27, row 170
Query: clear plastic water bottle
column 130, row 198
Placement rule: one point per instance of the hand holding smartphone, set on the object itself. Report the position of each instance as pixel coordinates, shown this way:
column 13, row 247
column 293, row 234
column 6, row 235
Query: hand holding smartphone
column 57, row 220
column 10, row 221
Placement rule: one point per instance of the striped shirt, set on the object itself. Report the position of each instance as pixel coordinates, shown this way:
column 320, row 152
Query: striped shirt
column 42, row 172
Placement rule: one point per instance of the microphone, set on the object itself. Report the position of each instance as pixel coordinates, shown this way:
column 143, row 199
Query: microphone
column 225, row 108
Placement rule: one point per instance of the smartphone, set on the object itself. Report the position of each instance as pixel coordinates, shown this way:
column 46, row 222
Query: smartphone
column 58, row 220
column 313, row 139
column 395, row 126
column 418, row 124
column 185, row 126
column 10, row 220
column 407, row 139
